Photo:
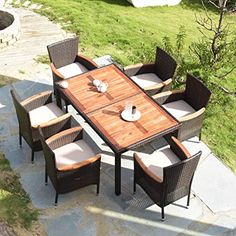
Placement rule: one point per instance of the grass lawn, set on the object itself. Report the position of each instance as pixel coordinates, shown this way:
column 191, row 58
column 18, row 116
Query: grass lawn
column 130, row 35
column 15, row 206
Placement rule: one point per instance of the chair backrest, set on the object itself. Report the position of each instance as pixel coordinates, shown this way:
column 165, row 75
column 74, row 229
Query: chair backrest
column 23, row 118
column 49, row 157
column 196, row 93
column 165, row 65
column 63, row 52
column 178, row 177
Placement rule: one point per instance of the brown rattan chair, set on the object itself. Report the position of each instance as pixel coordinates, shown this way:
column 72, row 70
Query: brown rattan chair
column 70, row 162
column 167, row 175
column 155, row 77
column 65, row 61
column 188, row 106
column 36, row 110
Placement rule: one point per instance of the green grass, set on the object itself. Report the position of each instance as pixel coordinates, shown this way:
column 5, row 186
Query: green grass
column 42, row 59
column 130, row 35
column 4, row 80
column 14, row 202
column 117, row 28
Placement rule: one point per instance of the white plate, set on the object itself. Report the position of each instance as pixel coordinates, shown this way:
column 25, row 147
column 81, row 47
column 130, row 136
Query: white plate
column 130, row 117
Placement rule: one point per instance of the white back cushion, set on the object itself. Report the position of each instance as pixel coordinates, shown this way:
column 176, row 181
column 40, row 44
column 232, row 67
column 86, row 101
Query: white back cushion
column 158, row 160
column 179, row 108
column 72, row 70
column 73, row 153
column 146, row 80
column 44, row 114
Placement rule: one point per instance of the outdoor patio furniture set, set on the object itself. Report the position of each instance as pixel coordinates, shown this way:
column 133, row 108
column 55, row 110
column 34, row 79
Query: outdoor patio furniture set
column 135, row 108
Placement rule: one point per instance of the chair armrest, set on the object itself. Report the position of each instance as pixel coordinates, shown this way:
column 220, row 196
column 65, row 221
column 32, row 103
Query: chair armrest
column 58, row 76
column 65, row 137
column 75, row 166
column 169, row 96
column 37, row 100
column 56, row 125
column 86, row 61
column 157, row 88
column 191, row 124
column 139, row 69
column 192, row 116
column 145, row 169
column 178, row 148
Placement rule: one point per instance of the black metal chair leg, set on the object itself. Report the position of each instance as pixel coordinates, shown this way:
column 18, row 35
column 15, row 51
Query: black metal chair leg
column 46, row 176
column 200, row 136
column 56, row 199
column 188, row 199
column 20, row 139
column 162, row 214
column 98, row 188
column 32, row 157
column 134, row 186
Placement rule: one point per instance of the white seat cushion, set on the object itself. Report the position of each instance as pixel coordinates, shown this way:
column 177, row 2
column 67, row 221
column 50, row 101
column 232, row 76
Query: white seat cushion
column 158, row 160
column 44, row 114
column 72, row 153
column 72, row 70
column 146, row 80
column 179, row 108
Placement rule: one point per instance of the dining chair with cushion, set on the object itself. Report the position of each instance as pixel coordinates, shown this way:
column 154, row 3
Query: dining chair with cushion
column 167, row 174
column 70, row 162
column 65, row 60
column 154, row 77
column 187, row 106
column 34, row 111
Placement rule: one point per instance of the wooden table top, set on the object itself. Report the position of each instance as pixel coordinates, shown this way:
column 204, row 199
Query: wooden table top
column 121, row 134
column 103, row 110
column 85, row 95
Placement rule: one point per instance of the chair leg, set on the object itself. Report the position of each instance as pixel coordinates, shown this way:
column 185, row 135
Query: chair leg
column 134, row 186
column 188, row 199
column 56, row 199
column 46, row 176
column 32, row 156
column 20, row 139
column 98, row 185
column 162, row 214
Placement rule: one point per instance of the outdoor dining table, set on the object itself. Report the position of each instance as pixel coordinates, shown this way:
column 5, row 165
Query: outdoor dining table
column 102, row 111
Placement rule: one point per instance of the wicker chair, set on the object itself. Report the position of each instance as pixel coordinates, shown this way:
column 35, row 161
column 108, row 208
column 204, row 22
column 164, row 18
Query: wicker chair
column 36, row 110
column 188, row 106
column 65, row 61
column 167, row 175
column 70, row 162
column 155, row 77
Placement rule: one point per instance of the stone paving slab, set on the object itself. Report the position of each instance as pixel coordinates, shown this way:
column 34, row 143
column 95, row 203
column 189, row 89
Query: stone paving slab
column 215, row 184
column 37, row 32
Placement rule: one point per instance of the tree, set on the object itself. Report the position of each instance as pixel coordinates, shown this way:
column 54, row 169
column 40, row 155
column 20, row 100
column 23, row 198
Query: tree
column 216, row 50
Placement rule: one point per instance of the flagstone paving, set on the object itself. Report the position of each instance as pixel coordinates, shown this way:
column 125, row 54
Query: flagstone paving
column 212, row 209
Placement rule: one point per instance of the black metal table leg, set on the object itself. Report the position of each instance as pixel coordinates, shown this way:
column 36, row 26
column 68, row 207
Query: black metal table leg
column 118, row 174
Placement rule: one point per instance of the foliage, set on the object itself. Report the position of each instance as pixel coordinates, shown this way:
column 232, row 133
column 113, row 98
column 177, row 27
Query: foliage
column 177, row 51
column 4, row 80
column 14, row 202
column 44, row 59
column 215, row 52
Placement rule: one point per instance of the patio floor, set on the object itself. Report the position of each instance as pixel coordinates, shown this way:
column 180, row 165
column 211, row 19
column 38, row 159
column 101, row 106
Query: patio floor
column 212, row 208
